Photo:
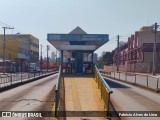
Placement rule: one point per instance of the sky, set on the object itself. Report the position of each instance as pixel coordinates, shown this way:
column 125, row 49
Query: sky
column 113, row 17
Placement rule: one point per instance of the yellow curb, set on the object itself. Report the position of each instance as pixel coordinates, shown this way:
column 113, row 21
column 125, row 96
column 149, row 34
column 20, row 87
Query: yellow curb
column 53, row 108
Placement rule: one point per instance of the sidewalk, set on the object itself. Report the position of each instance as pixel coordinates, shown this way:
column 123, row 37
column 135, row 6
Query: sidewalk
column 143, row 79
column 138, row 73
column 145, row 74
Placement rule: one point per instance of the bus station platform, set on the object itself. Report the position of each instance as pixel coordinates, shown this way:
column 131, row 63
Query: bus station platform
column 81, row 88
column 82, row 94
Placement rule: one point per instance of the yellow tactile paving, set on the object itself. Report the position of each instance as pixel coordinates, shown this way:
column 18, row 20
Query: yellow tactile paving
column 82, row 94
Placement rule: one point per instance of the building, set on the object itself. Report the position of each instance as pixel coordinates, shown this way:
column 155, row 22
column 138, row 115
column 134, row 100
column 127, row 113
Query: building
column 121, row 43
column 53, row 55
column 137, row 54
column 75, row 47
column 20, row 50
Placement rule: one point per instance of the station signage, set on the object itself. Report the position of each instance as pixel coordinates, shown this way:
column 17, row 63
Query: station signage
column 78, row 37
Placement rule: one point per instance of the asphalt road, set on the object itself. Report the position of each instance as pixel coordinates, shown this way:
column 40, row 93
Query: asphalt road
column 127, row 97
column 34, row 96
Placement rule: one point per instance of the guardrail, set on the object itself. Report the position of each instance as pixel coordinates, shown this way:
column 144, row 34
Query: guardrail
column 59, row 93
column 104, row 88
column 148, row 81
column 7, row 80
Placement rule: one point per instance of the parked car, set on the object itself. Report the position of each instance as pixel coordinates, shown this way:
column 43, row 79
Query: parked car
column 31, row 69
column 38, row 69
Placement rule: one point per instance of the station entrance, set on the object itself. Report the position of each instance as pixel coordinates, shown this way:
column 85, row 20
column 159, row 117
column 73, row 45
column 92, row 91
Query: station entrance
column 77, row 49
column 77, row 89
column 78, row 64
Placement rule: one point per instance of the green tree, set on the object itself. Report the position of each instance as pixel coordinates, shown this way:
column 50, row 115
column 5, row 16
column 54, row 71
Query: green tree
column 105, row 59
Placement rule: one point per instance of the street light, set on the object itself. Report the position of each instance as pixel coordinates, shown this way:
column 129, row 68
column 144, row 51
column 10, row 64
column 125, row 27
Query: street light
column 48, row 48
column 4, row 45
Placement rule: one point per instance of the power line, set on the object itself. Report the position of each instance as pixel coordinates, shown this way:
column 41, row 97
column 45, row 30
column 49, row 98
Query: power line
column 113, row 38
column 14, row 31
column 4, row 24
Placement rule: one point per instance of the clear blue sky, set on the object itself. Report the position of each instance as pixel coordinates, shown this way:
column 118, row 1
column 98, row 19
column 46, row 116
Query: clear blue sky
column 113, row 17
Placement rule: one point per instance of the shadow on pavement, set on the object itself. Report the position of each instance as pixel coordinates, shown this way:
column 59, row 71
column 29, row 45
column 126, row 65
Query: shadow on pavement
column 113, row 84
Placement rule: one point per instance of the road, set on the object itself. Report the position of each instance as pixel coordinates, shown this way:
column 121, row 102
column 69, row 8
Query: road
column 34, row 96
column 127, row 97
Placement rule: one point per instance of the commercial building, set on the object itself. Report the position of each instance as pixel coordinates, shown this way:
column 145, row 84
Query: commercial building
column 20, row 50
column 137, row 54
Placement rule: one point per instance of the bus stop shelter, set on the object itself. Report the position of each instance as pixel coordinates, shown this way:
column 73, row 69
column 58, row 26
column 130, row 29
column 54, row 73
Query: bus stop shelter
column 76, row 47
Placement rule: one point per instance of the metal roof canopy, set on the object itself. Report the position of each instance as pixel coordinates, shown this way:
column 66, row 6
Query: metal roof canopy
column 77, row 40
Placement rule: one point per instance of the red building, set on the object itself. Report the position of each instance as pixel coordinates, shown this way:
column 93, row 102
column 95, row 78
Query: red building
column 137, row 54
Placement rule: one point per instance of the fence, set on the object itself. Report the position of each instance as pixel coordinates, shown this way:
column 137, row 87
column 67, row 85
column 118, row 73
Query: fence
column 11, row 79
column 104, row 88
column 145, row 80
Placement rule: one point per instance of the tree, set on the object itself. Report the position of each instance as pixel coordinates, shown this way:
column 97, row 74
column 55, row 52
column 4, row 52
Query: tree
column 106, row 59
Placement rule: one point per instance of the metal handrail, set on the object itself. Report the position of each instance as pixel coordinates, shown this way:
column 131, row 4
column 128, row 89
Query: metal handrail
column 104, row 88
column 20, row 78
column 57, row 91
column 147, row 84
column 140, row 74
column 58, row 79
column 106, row 85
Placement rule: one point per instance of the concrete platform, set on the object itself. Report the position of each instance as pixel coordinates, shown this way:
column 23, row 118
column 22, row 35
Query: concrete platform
column 82, row 94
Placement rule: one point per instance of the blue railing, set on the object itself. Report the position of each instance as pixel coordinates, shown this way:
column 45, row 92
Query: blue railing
column 57, row 91
column 58, row 79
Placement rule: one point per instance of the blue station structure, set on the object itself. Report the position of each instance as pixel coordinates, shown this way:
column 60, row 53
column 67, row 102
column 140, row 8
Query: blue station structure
column 75, row 47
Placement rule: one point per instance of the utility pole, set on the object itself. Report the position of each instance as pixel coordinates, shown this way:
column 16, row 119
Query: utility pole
column 29, row 53
column 118, row 53
column 4, row 46
column 47, row 57
column 154, row 50
column 41, row 57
